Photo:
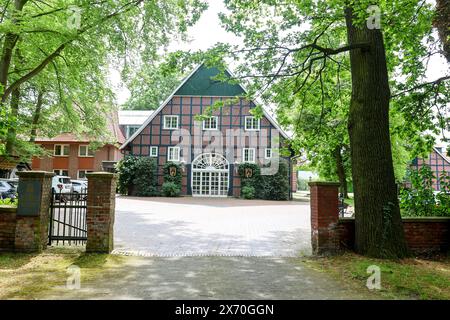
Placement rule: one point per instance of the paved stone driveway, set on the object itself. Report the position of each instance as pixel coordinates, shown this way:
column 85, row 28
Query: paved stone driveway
column 224, row 278
column 211, row 226
column 211, row 249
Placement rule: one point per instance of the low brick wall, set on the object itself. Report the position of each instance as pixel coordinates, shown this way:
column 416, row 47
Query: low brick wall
column 7, row 227
column 430, row 234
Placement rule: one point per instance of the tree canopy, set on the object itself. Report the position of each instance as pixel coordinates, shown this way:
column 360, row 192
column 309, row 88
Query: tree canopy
column 60, row 51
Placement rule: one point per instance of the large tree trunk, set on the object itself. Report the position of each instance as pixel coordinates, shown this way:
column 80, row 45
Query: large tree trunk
column 8, row 46
column 36, row 116
column 378, row 226
column 340, row 171
column 11, row 135
column 442, row 24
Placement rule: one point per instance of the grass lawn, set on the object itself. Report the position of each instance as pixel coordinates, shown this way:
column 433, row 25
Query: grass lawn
column 25, row 276
column 413, row 278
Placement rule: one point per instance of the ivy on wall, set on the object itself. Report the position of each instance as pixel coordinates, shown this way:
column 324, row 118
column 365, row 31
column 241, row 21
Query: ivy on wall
column 172, row 179
column 267, row 187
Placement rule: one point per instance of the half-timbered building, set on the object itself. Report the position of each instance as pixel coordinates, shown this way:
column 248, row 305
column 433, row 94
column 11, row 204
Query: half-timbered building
column 211, row 148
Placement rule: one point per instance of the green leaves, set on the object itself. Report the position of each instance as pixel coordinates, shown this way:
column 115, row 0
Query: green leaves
column 419, row 199
column 66, row 47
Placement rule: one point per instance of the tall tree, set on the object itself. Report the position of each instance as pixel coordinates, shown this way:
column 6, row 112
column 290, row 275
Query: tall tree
column 154, row 80
column 67, row 47
column 291, row 41
column 442, row 23
column 378, row 228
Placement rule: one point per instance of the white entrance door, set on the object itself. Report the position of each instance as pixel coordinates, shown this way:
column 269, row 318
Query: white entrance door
column 210, row 175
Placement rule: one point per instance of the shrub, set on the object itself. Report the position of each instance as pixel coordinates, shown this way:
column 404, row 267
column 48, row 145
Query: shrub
column 8, row 202
column 175, row 179
column 137, row 176
column 419, row 199
column 275, row 187
column 172, row 184
column 145, row 180
column 252, row 181
column 248, row 192
column 170, row 189
column 268, row 187
column 126, row 169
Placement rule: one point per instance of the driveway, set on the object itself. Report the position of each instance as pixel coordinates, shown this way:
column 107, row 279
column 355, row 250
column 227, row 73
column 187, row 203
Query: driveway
column 188, row 226
column 224, row 278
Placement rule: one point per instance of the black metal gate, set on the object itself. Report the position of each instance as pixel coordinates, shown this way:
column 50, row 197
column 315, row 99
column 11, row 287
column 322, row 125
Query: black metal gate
column 68, row 218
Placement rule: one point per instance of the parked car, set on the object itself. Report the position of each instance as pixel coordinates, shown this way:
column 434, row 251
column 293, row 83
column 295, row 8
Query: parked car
column 14, row 182
column 61, row 185
column 7, row 189
column 79, row 186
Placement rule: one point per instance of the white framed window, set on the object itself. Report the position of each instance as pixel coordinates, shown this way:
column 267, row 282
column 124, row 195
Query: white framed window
column 131, row 130
column 252, row 123
column 82, row 174
column 173, row 154
column 211, row 123
column 61, row 172
column 170, row 122
column 268, row 153
column 153, row 151
column 85, row 151
column 249, row 155
column 61, row 150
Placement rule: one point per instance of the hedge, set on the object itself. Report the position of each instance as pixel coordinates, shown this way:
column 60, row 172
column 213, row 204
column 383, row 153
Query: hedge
column 172, row 183
column 267, row 187
column 137, row 176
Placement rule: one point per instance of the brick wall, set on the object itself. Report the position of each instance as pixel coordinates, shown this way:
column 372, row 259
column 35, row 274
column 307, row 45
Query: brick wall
column 294, row 179
column 324, row 217
column 422, row 234
column 329, row 233
column 7, row 227
column 31, row 233
column 100, row 212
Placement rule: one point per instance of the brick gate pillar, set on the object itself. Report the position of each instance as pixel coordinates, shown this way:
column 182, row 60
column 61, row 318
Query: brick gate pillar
column 324, row 217
column 32, row 218
column 101, row 202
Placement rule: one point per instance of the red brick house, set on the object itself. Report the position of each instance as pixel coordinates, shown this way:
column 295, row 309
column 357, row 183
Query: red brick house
column 71, row 155
column 437, row 161
column 210, row 150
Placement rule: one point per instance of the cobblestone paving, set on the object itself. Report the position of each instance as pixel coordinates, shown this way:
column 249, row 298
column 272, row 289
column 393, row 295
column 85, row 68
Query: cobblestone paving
column 192, row 248
column 211, row 278
column 211, row 227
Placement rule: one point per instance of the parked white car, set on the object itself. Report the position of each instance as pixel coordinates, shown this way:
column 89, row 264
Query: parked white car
column 61, row 184
column 7, row 189
column 79, row 186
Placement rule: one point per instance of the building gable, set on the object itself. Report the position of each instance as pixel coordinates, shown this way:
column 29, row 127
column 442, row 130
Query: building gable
column 225, row 89
column 202, row 83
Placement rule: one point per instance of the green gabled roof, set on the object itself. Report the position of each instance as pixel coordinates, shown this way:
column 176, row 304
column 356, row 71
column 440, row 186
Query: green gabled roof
column 200, row 83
